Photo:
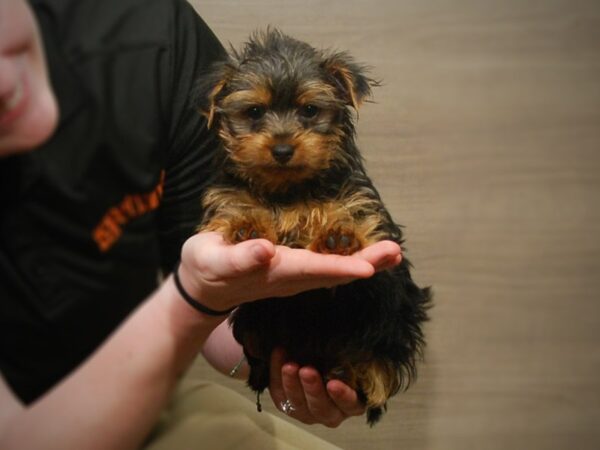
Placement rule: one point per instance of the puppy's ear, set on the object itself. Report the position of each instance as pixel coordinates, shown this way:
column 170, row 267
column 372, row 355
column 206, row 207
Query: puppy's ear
column 349, row 77
column 209, row 90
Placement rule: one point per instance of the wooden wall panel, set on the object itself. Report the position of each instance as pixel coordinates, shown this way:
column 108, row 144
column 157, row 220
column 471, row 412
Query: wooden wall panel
column 485, row 143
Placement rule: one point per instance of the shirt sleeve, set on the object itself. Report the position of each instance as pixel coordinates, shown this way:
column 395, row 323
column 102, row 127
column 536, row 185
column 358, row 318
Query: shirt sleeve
column 191, row 146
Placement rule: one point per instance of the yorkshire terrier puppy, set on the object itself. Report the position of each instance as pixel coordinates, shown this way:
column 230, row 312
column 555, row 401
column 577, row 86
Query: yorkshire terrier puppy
column 289, row 171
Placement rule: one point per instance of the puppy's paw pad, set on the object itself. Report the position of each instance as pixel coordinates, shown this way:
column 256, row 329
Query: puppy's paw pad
column 243, row 234
column 247, row 231
column 339, row 241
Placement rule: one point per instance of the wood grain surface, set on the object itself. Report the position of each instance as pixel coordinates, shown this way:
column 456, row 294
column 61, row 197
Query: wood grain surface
column 484, row 141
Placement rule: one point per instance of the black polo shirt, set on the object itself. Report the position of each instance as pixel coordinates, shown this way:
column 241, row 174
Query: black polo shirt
column 88, row 220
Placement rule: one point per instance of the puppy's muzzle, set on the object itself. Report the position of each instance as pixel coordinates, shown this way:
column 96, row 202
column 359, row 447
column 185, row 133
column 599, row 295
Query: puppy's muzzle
column 282, row 153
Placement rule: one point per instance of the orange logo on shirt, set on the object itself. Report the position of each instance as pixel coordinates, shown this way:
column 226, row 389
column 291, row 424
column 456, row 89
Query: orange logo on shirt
column 109, row 230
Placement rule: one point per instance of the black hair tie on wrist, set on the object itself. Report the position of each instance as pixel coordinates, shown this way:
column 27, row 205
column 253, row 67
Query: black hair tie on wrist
column 192, row 301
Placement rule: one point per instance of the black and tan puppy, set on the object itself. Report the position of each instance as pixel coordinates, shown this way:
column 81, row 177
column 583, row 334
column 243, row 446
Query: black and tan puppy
column 289, row 171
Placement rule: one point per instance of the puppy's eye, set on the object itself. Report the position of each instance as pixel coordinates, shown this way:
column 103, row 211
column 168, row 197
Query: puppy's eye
column 309, row 111
column 256, row 112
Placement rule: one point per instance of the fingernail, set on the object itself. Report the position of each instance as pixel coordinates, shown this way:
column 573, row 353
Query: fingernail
column 308, row 377
column 334, row 391
column 290, row 369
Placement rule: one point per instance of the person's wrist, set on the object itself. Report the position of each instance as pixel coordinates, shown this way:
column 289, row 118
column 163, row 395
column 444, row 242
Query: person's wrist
column 192, row 293
column 193, row 300
column 181, row 314
column 186, row 328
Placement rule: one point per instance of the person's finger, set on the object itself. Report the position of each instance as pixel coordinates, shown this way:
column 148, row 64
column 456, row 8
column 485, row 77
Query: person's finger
column 381, row 255
column 318, row 402
column 294, row 392
column 284, row 385
column 345, row 398
column 388, row 263
column 218, row 259
column 275, row 382
column 303, row 270
column 300, row 263
column 251, row 255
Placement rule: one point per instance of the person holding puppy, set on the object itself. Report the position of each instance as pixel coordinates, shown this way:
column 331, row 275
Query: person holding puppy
column 102, row 165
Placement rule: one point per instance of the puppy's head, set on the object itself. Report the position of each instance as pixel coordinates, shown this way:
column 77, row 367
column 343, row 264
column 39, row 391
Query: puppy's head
column 282, row 109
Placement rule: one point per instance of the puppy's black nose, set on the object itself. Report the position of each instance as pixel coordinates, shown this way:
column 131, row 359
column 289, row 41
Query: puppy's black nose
column 282, row 153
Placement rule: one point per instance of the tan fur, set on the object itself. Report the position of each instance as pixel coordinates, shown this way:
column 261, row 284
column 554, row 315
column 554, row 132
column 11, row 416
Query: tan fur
column 377, row 379
column 254, row 163
column 210, row 114
column 258, row 96
column 305, row 224
column 345, row 76
column 314, row 92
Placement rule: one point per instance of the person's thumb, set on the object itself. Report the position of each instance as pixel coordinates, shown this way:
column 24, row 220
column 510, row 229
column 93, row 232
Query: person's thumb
column 251, row 255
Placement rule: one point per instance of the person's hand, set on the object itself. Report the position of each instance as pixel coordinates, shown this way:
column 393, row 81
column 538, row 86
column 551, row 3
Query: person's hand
column 221, row 275
column 309, row 399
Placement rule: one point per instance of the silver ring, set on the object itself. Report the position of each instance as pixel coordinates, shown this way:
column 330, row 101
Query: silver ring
column 287, row 407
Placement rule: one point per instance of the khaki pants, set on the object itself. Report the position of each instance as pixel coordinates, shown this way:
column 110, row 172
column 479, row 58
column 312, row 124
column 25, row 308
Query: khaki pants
column 204, row 415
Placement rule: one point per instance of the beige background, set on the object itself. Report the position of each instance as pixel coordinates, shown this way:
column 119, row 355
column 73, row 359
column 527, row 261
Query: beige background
column 485, row 143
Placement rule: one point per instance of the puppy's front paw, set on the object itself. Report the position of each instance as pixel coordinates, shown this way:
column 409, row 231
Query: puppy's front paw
column 339, row 239
column 241, row 225
column 247, row 230
column 252, row 226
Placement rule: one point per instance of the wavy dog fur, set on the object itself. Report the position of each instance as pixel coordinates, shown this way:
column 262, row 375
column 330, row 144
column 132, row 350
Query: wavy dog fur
column 289, row 171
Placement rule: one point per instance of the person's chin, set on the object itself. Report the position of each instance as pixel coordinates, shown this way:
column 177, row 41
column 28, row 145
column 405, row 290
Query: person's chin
column 36, row 126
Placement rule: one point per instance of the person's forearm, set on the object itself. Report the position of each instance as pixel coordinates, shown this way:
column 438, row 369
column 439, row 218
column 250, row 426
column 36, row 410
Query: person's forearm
column 224, row 353
column 114, row 398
